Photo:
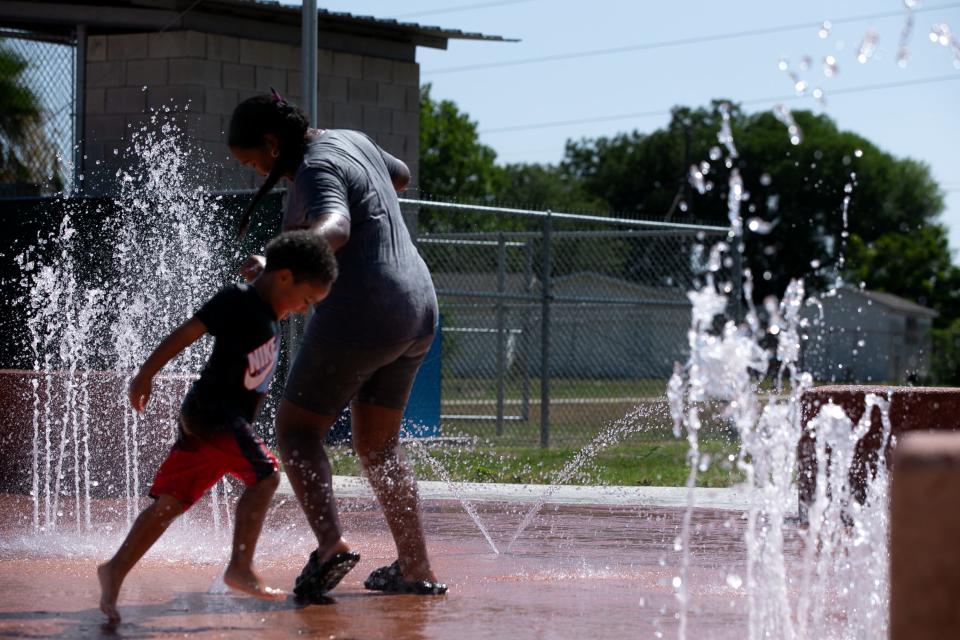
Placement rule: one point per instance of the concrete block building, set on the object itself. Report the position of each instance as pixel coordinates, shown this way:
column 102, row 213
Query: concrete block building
column 862, row 336
column 202, row 58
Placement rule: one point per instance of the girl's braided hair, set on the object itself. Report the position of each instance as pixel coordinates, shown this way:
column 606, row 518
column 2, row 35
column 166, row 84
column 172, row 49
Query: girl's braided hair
column 254, row 118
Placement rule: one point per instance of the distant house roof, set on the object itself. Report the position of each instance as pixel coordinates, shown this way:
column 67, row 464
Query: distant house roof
column 894, row 302
column 268, row 20
column 452, row 282
column 598, row 285
column 885, row 301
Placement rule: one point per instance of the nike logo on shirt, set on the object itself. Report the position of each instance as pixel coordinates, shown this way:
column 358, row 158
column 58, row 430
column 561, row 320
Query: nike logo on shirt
column 260, row 365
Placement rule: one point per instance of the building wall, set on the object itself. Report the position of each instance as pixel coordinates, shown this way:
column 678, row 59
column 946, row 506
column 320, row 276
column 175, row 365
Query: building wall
column 862, row 341
column 131, row 76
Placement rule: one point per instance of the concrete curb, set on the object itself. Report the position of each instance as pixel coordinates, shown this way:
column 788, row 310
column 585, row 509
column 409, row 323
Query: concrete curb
column 733, row 499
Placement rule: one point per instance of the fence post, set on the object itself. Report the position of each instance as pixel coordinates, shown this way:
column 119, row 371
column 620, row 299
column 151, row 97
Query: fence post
column 525, row 332
column 501, row 322
column 737, row 252
column 79, row 107
column 545, row 332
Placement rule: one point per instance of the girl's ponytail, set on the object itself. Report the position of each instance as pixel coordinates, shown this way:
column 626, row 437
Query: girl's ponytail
column 269, row 183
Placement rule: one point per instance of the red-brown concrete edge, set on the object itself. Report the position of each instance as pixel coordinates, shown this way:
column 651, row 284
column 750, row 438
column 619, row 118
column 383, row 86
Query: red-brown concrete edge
column 924, row 528
column 911, row 409
column 22, row 392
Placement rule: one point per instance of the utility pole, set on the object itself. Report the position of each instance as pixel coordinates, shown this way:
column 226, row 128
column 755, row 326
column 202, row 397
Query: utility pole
column 308, row 53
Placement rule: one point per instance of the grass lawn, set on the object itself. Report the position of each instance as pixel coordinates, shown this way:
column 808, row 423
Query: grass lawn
column 464, row 388
column 635, row 463
column 647, row 454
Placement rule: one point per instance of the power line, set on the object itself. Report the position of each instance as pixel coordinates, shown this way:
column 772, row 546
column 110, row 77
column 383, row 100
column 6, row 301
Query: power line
column 180, row 15
column 679, row 42
column 666, row 112
column 466, row 7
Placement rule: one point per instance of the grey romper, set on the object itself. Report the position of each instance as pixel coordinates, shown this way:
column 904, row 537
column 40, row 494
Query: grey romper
column 367, row 339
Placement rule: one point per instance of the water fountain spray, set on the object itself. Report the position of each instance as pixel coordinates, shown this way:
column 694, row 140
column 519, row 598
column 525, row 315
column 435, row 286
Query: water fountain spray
column 90, row 323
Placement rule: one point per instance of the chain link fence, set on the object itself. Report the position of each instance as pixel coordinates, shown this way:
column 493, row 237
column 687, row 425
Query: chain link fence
column 36, row 113
column 554, row 326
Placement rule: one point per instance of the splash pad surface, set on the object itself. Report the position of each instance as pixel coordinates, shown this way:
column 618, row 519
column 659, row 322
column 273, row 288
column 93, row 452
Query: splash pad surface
column 575, row 571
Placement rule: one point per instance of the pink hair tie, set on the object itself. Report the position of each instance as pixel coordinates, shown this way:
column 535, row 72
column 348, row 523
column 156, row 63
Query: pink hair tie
column 276, row 96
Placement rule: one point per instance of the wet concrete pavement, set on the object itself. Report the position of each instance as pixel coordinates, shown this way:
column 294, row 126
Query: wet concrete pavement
column 578, row 571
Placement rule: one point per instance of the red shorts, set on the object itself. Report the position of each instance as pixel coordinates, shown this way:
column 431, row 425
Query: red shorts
column 195, row 464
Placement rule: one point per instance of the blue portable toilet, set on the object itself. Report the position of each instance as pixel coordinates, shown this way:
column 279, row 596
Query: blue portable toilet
column 422, row 416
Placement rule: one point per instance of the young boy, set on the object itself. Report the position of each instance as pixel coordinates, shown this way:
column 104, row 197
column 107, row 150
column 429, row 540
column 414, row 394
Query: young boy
column 216, row 433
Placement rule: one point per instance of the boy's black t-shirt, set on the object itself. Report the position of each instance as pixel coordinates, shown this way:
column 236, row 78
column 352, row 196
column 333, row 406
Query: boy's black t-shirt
column 247, row 344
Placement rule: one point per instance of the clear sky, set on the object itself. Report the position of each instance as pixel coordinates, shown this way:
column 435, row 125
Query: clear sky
column 599, row 93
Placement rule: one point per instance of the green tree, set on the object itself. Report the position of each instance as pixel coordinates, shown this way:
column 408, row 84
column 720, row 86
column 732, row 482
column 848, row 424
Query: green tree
column 454, row 164
column 801, row 188
column 22, row 141
column 545, row 186
column 456, row 167
column 838, row 203
column 945, row 360
column 915, row 264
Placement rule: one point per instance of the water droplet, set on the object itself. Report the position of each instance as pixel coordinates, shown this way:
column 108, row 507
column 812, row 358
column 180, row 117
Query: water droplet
column 704, row 463
column 696, row 179
column 784, row 115
column 676, row 582
column 765, row 179
column 830, row 68
column 858, row 153
column 868, row 46
column 760, row 226
column 824, row 31
column 734, row 581
column 715, row 153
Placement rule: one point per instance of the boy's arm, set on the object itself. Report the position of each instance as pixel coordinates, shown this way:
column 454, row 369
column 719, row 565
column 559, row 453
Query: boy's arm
column 182, row 337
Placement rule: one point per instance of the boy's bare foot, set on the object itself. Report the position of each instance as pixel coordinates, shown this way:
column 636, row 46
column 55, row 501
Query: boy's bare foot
column 109, row 591
column 248, row 582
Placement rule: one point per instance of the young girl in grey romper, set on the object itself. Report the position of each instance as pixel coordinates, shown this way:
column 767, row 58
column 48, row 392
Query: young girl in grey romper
column 362, row 345
column 367, row 339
